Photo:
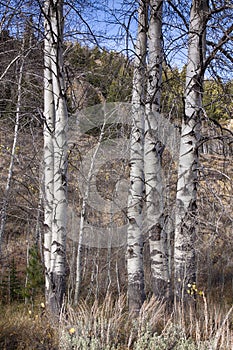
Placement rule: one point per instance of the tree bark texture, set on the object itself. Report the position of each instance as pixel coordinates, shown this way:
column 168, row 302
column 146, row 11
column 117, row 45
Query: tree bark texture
column 153, row 150
column 55, row 157
column 136, row 293
column 186, row 207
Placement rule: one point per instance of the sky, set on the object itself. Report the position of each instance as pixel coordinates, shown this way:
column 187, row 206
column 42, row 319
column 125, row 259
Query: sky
column 112, row 24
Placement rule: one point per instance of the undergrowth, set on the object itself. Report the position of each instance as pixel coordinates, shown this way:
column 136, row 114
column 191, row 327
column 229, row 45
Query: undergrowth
column 108, row 326
column 26, row 328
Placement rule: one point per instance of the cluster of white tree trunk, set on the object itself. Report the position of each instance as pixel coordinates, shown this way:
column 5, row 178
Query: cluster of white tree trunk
column 146, row 194
column 147, row 171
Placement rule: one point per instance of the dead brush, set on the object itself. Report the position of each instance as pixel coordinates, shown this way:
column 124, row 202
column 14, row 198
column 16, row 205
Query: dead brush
column 207, row 323
column 24, row 329
column 216, row 326
column 152, row 318
column 105, row 323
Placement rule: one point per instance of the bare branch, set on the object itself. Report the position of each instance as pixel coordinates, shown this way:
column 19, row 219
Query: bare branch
column 225, row 38
column 175, row 8
column 222, row 50
column 9, row 66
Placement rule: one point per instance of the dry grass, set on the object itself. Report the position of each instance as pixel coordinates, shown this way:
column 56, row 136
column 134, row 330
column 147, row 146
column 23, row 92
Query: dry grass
column 208, row 324
column 106, row 322
column 24, row 328
column 108, row 326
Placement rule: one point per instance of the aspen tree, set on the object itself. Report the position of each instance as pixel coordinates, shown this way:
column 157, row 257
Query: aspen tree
column 136, row 293
column 55, row 157
column 153, row 150
column 186, row 197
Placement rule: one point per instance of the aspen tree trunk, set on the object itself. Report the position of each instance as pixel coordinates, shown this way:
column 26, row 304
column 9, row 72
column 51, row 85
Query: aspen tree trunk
column 55, row 158
column 153, row 150
column 136, row 294
column 49, row 126
column 186, row 208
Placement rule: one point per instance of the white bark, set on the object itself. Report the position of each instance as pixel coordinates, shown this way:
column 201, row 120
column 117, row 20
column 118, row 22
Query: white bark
column 48, row 152
column 55, row 158
column 184, row 250
column 153, row 150
column 136, row 292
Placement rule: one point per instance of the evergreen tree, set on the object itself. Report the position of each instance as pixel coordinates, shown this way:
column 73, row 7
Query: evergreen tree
column 35, row 274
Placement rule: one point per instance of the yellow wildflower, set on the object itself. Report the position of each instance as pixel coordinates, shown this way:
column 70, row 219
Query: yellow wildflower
column 71, row 331
column 42, row 305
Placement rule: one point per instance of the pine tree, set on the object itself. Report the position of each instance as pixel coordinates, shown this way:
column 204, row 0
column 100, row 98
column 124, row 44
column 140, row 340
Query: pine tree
column 35, row 275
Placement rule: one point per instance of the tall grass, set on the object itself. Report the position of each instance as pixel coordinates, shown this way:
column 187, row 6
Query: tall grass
column 108, row 326
column 26, row 328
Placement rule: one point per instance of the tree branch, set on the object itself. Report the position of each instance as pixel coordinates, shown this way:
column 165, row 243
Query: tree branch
column 222, row 50
column 174, row 7
column 218, row 47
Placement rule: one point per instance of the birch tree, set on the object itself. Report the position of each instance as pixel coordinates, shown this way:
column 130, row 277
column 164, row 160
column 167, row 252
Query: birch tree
column 136, row 294
column 153, row 150
column 55, row 157
column 184, row 248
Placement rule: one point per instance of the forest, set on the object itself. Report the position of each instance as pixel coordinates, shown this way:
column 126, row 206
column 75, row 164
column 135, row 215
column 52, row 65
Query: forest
column 116, row 193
